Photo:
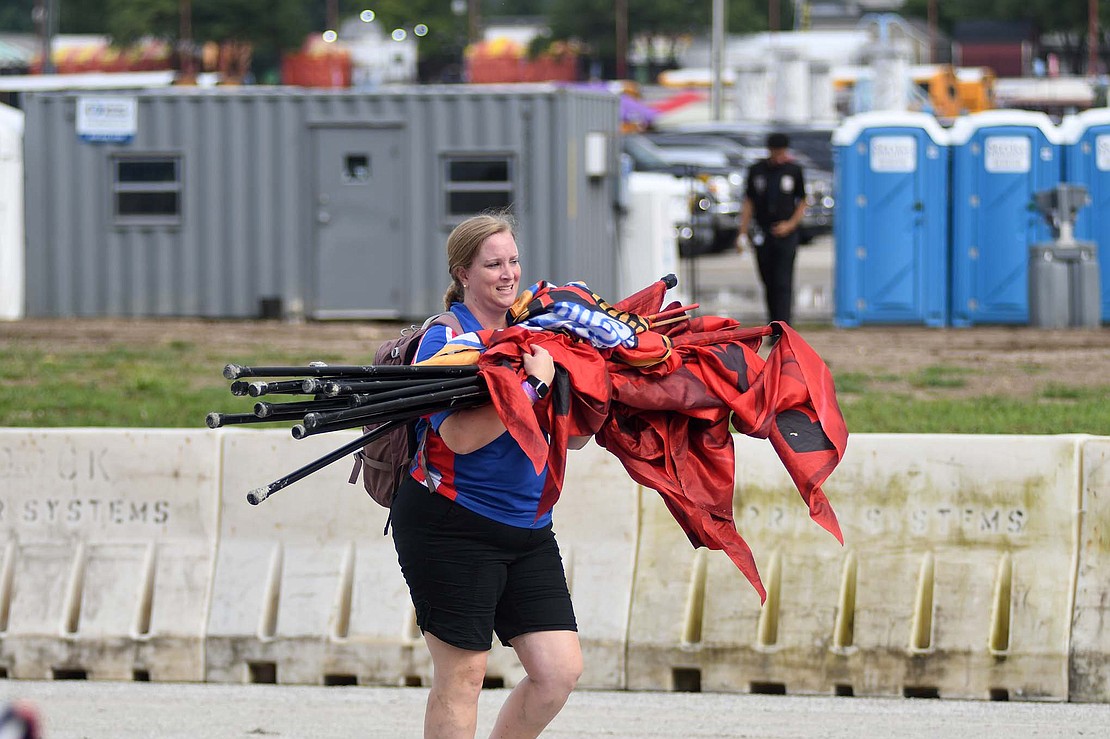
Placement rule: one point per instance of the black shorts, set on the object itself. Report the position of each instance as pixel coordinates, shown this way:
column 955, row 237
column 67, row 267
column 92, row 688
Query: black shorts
column 470, row 576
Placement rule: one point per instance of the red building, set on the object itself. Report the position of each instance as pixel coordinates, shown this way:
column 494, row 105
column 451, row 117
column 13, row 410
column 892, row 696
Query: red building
column 1007, row 47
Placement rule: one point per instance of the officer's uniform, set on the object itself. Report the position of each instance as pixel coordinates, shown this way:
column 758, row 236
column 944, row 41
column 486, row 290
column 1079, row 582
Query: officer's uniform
column 775, row 191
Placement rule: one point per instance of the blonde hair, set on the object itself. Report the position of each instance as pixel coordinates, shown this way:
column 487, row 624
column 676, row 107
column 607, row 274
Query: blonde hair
column 463, row 245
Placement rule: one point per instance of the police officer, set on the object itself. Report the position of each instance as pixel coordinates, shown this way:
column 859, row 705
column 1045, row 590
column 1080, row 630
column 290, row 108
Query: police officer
column 776, row 196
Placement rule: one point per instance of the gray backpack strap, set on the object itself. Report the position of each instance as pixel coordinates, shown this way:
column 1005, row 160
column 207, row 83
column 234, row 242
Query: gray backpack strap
column 446, row 318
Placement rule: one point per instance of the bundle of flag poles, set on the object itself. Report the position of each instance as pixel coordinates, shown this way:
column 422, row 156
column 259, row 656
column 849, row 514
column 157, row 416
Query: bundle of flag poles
column 346, row 396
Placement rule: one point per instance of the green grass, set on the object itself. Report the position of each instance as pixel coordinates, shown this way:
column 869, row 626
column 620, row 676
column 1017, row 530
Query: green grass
column 177, row 383
column 172, row 385
column 940, row 376
column 1078, row 410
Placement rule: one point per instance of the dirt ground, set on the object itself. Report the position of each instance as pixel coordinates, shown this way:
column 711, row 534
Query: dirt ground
column 986, row 360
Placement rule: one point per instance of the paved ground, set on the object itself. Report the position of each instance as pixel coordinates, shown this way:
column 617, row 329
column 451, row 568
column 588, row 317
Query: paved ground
column 98, row 710
column 728, row 284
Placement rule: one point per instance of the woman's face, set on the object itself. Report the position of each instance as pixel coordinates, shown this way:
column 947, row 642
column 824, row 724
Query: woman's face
column 492, row 279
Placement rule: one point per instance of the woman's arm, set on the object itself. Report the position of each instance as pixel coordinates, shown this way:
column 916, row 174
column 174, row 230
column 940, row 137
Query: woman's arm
column 471, row 429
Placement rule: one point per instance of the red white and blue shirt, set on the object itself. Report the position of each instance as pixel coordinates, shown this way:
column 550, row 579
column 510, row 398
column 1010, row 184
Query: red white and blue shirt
column 497, row 481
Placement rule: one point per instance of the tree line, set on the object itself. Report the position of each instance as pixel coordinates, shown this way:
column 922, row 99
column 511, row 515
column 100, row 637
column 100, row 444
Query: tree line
column 281, row 25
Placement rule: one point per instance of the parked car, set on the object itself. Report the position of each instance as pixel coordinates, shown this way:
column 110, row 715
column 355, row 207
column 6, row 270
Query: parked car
column 739, row 156
column 811, row 147
column 715, row 190
column 814, row 142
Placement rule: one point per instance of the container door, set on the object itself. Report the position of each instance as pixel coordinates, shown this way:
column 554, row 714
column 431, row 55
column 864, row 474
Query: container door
column 361, row 234
column 890, row 250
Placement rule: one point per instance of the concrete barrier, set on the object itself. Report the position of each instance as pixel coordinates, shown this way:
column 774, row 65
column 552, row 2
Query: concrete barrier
column 306, row 587
column 107, row 541
column 954, row 580
column 973, row 567
column 1089, row 673
column 596, row 522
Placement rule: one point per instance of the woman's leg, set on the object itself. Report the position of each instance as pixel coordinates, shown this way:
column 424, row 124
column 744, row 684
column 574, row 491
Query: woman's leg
column 553, row 661
column 452, row 711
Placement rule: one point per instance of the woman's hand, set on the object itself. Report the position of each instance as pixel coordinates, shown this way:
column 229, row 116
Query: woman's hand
column 539, row 364
column 470, row 429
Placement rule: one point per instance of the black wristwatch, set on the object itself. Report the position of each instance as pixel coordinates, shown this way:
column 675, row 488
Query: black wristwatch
column 541, row 387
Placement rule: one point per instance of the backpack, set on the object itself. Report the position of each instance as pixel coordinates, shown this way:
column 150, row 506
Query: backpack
column 385, row 461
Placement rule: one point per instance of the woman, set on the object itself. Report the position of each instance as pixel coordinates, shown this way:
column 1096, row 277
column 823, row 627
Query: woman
column 476, row 559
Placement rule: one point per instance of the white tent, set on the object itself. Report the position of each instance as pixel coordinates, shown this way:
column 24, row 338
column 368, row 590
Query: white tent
column 11, row 213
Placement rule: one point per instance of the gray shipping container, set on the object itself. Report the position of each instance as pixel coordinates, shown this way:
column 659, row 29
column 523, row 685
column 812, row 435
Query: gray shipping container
column 248, row 202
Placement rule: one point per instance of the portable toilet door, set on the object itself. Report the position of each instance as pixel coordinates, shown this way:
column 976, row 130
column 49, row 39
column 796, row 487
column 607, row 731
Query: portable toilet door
column 12, row 242
column 891, row 222
column 1000, row 159
column 1086, row 140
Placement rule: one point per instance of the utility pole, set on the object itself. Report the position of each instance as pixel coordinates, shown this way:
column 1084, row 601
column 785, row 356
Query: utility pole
column 45, row 14
column 185, row 44
column 717, row 53
column 332, row 19
column 773, row 15
column 474, row 16
column 931, row 12
column 1092, row 38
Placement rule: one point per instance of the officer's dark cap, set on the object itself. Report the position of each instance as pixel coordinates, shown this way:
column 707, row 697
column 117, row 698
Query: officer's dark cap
column 778, row 141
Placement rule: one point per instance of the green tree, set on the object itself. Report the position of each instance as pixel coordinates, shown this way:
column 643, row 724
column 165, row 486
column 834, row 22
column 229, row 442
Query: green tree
column 269, row 28
column 447, row 32
column 1047, row 15
column 15, row 16
column 1065, row 18
column 593, row 22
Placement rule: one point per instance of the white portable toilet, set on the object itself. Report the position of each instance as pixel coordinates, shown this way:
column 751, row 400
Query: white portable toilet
column 791, row 87
column 753, row 91
column 11, row 214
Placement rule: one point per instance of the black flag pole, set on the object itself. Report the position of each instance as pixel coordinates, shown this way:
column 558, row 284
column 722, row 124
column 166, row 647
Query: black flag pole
column 258, row 495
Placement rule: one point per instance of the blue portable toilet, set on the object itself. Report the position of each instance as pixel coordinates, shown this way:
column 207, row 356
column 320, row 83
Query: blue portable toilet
column 891, row 221
column 1000, row 158
column 1086, row 140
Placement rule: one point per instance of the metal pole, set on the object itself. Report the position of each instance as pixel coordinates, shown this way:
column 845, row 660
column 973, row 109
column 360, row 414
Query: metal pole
column 474, row 17
column 258, row 495
column 931, row 11
column 185, row 43
column 1092, row 38
column 45, row 13
column 717, row 53
column 332, row 21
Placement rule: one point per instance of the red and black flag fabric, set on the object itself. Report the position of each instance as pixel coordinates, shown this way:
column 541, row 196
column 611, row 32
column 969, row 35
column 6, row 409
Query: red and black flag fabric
column 672, row 432
column 665, row 401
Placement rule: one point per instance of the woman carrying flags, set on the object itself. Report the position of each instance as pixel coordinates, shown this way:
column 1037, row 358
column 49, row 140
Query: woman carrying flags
column 478, row 555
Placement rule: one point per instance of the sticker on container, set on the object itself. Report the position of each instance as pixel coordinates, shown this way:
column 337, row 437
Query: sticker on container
column 1102, row 152
column 110, row 119
column 893, row 154
column 1007, row 154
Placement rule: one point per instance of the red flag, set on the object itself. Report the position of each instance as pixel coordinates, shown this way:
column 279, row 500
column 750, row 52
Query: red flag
column 671, row 432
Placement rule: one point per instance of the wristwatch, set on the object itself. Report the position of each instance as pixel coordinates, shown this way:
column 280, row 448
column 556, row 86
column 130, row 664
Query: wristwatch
column 541, row 387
